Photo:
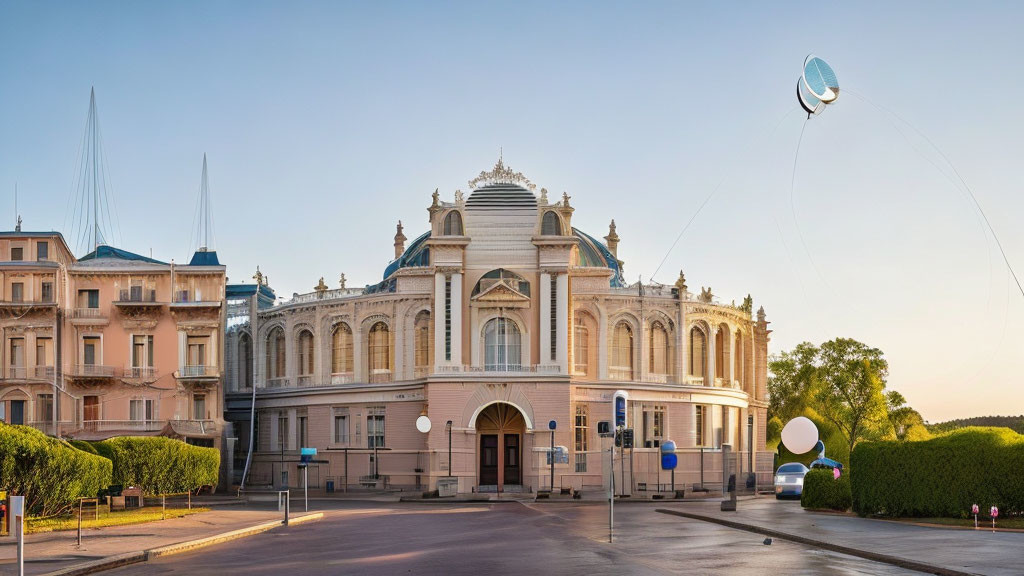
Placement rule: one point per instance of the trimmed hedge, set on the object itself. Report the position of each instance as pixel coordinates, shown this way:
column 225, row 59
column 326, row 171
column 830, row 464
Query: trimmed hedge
column 83, row 446
column 823, row 491
column 940, row 477
column 50, row 473
column 160, row 465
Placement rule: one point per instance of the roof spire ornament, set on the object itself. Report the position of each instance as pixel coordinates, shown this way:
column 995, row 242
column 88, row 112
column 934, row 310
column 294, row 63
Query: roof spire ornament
column 681, row 283
column 612, row 239
column 258, row 277
column 705, row 295
column 341, row 281
column 399, row 241
column 320, row 288
column 501, row 174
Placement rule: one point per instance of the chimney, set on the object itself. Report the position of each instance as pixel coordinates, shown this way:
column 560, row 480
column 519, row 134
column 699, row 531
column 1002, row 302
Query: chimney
column 399, row 241
column 613, row 240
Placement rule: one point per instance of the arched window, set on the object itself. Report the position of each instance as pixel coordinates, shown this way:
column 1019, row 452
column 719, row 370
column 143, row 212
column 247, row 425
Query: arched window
column 502, row 345
column 380, row 353
column 304, row 352
column 276, row 353
column 660, row 358
column 721, row 351
column 244, row 361
column 422, row 337
column 453, row 224
column 737, row 370
column 551, row 225
column 698, row 352
column 622, row 352
column 580, row 344
column 341, row 349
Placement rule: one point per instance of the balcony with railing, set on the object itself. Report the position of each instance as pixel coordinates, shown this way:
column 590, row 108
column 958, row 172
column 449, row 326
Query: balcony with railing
column 88, row 316
column 339, row 378
column 620, row 373
column 123, row 425
column 192, row 299
column 43, row 372
column 304, row 380
column 282, row 382
column 198, row 372
column 17, row 372
column 91, row 371
column 137, row 296
column 143, row 373
column 380, row 376
column 499, row 369
column 20, row 302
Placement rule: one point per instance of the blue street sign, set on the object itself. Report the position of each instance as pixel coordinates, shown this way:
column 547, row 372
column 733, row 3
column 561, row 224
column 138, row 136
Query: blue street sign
column 669, row 461
column 551, row 425
column 620, row 411
column 306, row 455
column 668, row 447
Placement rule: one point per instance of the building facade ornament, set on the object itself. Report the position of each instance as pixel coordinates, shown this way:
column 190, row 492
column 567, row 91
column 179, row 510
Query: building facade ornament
column 501, row 174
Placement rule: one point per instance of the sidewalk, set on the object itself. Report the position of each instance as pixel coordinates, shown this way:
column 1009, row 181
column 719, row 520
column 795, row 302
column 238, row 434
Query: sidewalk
column 51, row 551
column 964, row 551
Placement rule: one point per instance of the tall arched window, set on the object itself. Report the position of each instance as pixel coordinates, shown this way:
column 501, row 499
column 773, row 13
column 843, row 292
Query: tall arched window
column 244, row 361
column 622, row 351
column 660, row 359
column 453, row 224
column 379, row 348
column 737, row 369
column 551, row 225
column 698, row 353
column 580, row 344
column 422, row 337
column 341, row 349
column 304, row 352
column 502, row 345
column 276, row 353
column 721, row 351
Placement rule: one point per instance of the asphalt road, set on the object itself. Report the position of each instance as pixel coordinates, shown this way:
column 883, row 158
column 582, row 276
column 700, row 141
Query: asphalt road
column 505, row 538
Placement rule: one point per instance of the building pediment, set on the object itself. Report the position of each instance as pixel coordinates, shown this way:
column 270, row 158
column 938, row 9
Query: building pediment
column 501, row 293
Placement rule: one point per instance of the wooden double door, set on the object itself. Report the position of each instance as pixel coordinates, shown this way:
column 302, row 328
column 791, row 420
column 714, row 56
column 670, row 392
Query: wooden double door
column 501, row 429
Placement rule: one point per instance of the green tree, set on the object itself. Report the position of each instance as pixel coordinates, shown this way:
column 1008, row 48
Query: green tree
column 790, row 380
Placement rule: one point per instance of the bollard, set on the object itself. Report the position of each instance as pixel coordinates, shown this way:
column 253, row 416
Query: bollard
column 287, row 505
column 18, row 516
column 163, row 507
column 189, row 499
column 79, row 522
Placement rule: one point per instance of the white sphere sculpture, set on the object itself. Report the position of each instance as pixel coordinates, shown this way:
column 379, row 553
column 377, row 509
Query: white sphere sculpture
column 800, row 435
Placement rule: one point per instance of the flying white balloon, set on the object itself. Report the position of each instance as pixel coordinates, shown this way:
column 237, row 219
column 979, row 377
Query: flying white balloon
column 800, row 435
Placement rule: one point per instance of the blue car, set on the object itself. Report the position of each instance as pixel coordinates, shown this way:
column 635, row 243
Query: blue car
column 789, row 480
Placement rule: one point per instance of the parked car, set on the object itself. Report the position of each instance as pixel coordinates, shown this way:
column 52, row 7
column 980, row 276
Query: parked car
column 789, row 480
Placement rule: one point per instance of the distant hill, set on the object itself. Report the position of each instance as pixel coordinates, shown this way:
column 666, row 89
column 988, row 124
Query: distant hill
column 1015, row 423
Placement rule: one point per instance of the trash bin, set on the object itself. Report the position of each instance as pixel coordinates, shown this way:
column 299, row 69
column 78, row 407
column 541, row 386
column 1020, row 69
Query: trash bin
column 330, row 486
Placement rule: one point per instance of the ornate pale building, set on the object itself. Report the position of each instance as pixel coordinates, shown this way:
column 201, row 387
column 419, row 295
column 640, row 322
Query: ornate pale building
column 498, row 320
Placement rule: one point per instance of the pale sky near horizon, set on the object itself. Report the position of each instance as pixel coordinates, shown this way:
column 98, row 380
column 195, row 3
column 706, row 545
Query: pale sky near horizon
column 325, row 123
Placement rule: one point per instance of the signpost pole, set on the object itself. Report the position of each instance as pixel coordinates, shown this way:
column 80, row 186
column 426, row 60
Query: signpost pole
column 79, row 522
column 18, row 514
column 611, row 490
column 552, row 484
column 305, row 486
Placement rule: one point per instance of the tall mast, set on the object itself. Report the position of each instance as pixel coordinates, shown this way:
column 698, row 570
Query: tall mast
column 91, row 211
column 95, row 170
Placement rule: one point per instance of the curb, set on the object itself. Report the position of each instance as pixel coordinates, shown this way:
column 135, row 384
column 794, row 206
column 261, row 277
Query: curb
column 119, row 560
column 875, row 556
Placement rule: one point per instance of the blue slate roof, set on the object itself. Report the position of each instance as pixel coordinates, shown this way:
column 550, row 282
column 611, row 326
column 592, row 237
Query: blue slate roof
column 117, row 253
column 595, row 253
column 204, row 258
column 417, row 254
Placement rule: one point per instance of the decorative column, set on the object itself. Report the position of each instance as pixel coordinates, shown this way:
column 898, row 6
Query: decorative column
column 545, row 319
column 711, row 352
column 562, row 322
column 602, row 342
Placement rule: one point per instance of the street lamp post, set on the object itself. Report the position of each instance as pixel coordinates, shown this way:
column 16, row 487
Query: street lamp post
column 448, row 427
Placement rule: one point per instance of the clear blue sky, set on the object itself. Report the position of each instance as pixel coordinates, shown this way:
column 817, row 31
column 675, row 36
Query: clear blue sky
column 325, row 123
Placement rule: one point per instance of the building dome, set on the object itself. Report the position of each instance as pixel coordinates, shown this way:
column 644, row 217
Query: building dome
column 501, row 196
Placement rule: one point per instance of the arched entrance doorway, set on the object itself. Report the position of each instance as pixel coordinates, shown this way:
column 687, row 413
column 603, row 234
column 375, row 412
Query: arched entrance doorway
column 500, row 428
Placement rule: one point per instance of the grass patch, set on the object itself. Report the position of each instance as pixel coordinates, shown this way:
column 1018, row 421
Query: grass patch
column 107, row 518
column 984, row 522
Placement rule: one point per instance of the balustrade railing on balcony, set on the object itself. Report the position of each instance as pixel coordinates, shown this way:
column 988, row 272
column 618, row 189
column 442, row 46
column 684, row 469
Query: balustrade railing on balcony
column 17, row 372
column 139, row 372
column 43, row 372
column 695, row 380
column 656, row 378
column 137, row 294
column 342, row 378
column 92, row 371
column 498, row 369
column 421, row 371
column 304, row 380
column 86, row 313
column 620, row 373
column 197, row 371
column 117, row 425
column 277, row 382
column 379, row 377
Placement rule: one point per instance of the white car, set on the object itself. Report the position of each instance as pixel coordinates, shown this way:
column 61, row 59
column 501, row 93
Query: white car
column 789, row 480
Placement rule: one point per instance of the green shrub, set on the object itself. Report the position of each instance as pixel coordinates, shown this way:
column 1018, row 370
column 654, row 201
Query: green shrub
column 823, row 491
column 50, row 473
column 940, row 477
column 83, row 446
column 160, row 465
